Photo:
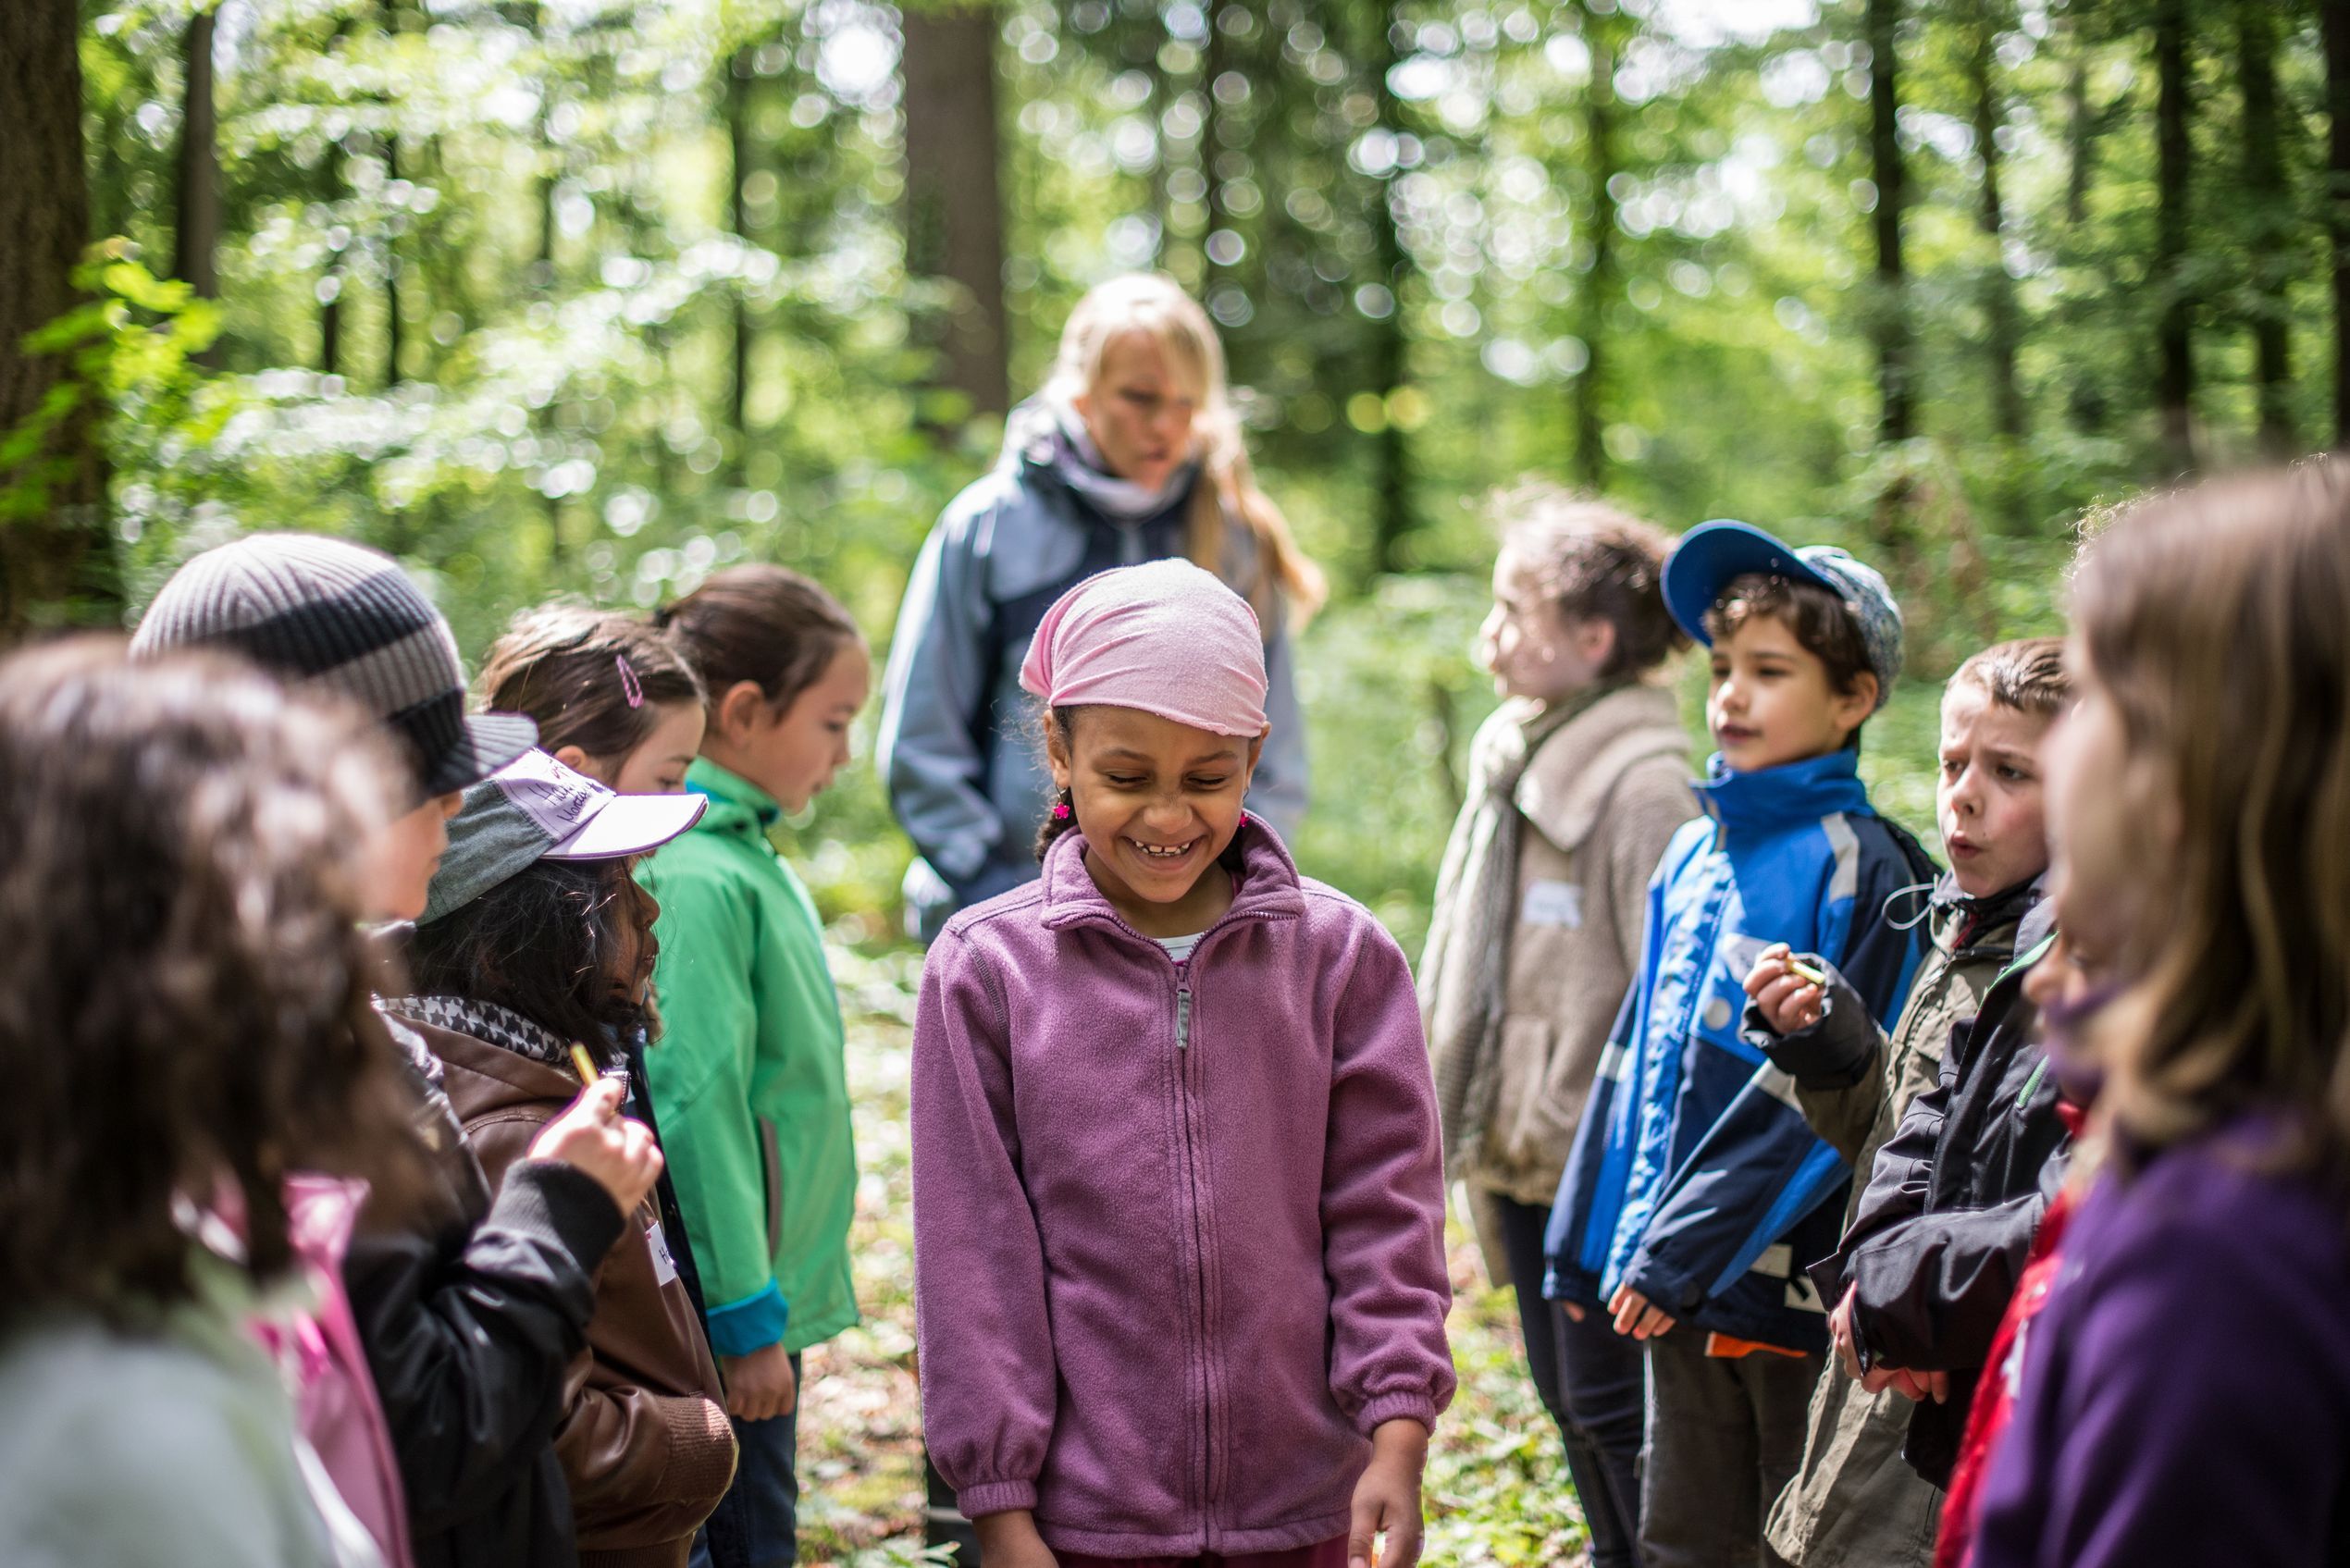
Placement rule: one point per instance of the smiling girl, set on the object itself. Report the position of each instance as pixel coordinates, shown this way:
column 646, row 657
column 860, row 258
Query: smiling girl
column 1177, row 1211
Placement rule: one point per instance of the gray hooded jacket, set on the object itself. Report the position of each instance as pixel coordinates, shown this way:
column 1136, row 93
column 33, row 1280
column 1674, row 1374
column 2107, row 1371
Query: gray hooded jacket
column 959, row 752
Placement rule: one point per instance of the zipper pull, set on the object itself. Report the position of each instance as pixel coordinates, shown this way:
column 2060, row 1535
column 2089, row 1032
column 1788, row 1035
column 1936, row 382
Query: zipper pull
column 1183, row 1018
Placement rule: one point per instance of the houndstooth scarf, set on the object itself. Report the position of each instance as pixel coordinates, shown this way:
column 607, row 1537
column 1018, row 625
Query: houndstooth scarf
column 501, row 1026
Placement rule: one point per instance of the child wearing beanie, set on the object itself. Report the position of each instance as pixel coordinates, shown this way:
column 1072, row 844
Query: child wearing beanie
column 1178, row 1210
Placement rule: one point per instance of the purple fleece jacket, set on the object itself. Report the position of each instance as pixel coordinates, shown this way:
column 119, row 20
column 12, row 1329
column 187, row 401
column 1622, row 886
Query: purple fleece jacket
column 1178, row 1229
column 2185, row 1393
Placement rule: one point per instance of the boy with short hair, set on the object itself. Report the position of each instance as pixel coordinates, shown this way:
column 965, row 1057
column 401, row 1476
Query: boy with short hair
column 1695, row 1187
column 1855, row 1499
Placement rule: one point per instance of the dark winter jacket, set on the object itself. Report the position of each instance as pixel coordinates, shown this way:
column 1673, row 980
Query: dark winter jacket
column 1855, row 1503
column 1945, row 1225
column 470, row 1315
column 643, row 1435
column 1694, row 1179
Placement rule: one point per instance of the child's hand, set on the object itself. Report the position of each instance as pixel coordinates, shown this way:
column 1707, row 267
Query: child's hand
column 1841, row 1336
column 1636, row 1316
column 1787, row 1001
column 1917, row 1386
column 1009, row 1540
column 760, row 1385
column 591, row 1135
column 1386, row 1500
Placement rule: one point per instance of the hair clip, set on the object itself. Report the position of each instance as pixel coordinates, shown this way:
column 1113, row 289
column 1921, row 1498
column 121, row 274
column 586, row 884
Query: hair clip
column 630, row 686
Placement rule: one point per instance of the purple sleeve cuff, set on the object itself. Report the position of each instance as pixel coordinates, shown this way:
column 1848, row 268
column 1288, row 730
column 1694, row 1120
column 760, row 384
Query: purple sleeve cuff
column 1396, row 1407
column 996, row 1496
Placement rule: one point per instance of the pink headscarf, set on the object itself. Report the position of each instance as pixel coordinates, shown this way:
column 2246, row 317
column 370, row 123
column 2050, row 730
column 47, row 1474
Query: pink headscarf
column 1166, row 638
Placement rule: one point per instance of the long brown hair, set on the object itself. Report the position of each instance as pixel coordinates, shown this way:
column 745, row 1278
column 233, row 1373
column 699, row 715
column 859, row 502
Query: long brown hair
column 184, row 989
column 1155, row 306
column 2218, row 620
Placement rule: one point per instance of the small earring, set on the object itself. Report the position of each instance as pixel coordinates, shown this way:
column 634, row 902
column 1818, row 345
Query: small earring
column 1062, row 810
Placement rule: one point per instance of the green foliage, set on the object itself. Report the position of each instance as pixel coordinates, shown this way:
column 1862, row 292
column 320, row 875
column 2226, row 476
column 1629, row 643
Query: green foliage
column 131, row 355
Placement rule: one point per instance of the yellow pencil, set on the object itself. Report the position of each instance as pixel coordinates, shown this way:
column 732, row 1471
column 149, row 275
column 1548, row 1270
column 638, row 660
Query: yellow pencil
column 584, row 1064
column 1800, row 971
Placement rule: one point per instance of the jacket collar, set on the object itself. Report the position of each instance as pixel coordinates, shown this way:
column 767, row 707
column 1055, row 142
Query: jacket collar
column 1264, row 887
column 1773, row 798
column 1575, row 766
column 726, row 788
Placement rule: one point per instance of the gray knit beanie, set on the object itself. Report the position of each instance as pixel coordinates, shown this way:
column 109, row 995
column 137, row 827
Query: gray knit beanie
column 311, row 608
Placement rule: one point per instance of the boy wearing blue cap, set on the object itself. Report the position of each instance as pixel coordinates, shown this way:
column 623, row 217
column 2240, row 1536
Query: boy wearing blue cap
column 1696, row 1192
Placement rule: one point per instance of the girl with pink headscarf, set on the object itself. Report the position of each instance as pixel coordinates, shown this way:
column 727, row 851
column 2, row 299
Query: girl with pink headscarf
column 1177, row 1209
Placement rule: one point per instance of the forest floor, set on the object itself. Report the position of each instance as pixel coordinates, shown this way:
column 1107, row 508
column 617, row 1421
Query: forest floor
column 1496, row 1489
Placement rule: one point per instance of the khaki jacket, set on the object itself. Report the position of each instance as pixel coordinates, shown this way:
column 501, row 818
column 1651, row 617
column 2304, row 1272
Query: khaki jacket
column 1601, row 798
column 643, row 1437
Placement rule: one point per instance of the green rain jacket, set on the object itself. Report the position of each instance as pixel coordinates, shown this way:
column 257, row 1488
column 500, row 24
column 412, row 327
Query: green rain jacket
column 750, row 1080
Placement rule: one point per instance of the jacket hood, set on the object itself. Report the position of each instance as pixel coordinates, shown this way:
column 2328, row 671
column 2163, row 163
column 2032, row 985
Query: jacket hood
column 1576, row 766
column 1771, row 799
column 1264, row 880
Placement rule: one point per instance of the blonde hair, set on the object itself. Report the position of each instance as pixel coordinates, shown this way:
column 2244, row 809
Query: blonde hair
column 1155, row 306
column 2218, row 620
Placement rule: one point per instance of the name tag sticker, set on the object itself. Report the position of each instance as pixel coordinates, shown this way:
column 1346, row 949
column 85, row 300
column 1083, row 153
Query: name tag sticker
column 1552, row 904
column 664, row 1267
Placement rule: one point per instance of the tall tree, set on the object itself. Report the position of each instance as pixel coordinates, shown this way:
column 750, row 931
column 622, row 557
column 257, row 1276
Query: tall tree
column 1896, row 418
column 56, row 564
column 2003, row 329
column 2334, row 19
column 953, row 210
column 2174, row 344
column 2268, row 230
column 197, row 231
column 1392, row 518
column 739, row 73
column 1600, row 284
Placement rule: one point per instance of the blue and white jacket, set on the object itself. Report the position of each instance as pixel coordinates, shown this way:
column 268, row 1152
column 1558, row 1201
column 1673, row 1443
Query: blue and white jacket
column 1694, row 1178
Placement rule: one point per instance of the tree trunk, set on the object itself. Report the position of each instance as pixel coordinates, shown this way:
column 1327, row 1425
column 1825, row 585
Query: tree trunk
column 954, row 213
column 2081, row 121
column 196, row 238
column 57, row 566
column 2003, row 330
column 2334, row 16
column 1599, row 283
column 1390, row 350
column 739, row 73
column 2270, row 230
column 1897, row 419
column 2174, row 369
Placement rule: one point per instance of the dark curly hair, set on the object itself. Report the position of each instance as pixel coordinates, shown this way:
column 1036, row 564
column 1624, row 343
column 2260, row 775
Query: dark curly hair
column 573, row 669
column 184, row 988
column 545, row 943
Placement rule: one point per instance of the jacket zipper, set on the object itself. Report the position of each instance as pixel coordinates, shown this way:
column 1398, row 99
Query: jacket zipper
column 1183, row 1015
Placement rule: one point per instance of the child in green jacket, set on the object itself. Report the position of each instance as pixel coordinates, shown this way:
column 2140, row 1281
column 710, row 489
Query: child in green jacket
column 750, row 1083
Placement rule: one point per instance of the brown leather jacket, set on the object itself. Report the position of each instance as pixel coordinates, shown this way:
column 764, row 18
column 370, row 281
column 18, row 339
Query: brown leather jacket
column 644, row 1438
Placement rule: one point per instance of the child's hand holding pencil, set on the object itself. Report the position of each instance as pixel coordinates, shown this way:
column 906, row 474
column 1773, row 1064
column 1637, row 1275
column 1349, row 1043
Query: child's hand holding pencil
column 1791, row 993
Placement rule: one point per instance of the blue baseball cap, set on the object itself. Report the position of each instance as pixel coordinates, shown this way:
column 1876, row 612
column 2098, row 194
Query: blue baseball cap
column 1712, row 555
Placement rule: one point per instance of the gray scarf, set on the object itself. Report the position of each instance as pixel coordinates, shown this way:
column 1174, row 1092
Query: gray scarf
column 1461, row 972
column 1060, row 440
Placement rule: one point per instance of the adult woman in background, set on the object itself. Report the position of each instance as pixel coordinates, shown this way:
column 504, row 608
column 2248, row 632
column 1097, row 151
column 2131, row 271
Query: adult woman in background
column 1132, row 453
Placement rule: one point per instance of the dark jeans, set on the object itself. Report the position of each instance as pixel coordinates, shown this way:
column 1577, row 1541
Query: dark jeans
column 762, row 1508
column 1589, row 1379
column 1724, row 1436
